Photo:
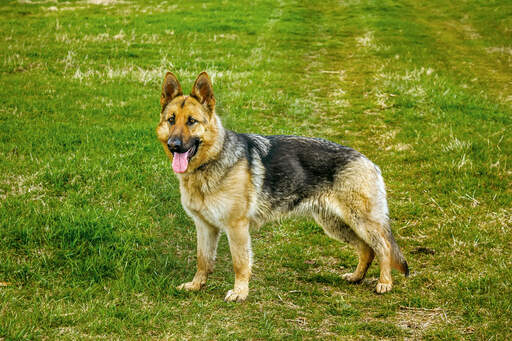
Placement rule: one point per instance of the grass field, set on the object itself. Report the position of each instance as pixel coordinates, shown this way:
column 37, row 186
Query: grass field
column 93, row 239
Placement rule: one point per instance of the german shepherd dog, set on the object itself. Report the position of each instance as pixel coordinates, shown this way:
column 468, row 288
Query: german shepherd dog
column 230, row 182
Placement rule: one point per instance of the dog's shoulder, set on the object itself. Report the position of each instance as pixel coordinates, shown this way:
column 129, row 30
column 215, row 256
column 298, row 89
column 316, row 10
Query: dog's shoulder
column 255, row 146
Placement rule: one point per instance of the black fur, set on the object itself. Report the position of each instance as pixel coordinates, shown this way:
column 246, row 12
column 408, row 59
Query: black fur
column 297, row 167
column 250, row 146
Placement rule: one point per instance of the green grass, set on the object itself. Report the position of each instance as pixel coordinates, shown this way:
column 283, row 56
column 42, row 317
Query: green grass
column 93, row 239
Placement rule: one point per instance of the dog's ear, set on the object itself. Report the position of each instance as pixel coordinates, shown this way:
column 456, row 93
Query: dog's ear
column 203, row 91
column 170, row 89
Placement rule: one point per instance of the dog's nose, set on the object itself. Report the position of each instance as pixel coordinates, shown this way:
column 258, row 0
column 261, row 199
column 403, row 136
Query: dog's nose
column 174, row 144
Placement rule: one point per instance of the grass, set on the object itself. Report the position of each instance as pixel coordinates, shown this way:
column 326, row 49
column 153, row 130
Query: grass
column 93, row 239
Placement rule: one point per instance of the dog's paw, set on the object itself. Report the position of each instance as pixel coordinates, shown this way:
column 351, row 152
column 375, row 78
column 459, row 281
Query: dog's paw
column 352, row 277
column 383, row 287
column 189, row 286
column 236, row 295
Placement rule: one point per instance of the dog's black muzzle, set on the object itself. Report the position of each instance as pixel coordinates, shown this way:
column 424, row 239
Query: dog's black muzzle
column 176, row 145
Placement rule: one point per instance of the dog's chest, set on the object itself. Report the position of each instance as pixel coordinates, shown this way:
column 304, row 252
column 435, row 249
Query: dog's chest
column 219, row 201
column 211, row 207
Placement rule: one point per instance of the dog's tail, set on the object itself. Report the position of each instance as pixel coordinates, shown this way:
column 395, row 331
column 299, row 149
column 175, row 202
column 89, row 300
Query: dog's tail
column 398, row 261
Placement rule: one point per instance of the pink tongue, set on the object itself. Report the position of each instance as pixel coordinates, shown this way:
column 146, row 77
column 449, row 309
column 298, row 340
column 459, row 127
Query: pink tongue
column 180, row 162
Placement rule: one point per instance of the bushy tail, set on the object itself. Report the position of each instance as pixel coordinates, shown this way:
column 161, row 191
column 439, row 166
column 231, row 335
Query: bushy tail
column 397, row 258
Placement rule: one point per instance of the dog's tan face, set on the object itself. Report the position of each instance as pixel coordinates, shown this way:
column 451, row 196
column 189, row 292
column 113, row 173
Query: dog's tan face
column 187, row 125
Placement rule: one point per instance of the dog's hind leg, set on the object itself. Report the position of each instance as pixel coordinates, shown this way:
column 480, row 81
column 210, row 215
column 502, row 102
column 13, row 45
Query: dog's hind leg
column 359, row 200
column 366, row 256
column 377, row 236
column 337, row 229
column 207, row 240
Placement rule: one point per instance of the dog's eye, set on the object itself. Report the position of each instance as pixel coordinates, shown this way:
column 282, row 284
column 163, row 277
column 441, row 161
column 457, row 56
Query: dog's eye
column 171, row 120
column 191, row 121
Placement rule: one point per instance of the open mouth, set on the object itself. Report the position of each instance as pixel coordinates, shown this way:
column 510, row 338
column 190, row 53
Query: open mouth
column 180, row 160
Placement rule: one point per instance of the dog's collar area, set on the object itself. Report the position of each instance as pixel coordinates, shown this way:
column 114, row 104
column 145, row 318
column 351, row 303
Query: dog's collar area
column 203, row 166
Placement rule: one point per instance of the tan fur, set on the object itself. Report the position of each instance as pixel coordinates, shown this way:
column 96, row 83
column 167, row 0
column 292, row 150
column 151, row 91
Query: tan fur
column 353, row 209
column 212, row 199
column 366, row 255
column 224, row 205
column 356, row 200
column 207, row 127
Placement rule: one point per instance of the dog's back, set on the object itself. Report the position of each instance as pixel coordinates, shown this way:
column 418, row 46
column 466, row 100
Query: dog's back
column 296, row 168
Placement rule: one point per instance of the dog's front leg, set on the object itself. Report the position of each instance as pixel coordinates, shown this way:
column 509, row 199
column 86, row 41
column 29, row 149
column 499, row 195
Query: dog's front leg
column 207, row 240
column 240, row 247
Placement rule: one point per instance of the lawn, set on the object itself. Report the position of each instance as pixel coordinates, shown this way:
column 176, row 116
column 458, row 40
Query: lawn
column 93, row 239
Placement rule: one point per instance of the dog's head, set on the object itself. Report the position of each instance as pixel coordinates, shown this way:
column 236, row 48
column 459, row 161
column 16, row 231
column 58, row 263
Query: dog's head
column 188, row 126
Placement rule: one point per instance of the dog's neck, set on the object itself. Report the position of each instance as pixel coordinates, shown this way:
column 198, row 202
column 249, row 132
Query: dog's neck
column 216, row 147
column 216, row 150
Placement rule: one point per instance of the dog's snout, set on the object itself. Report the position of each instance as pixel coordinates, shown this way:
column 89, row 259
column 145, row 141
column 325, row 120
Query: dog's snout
column 174, row 144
